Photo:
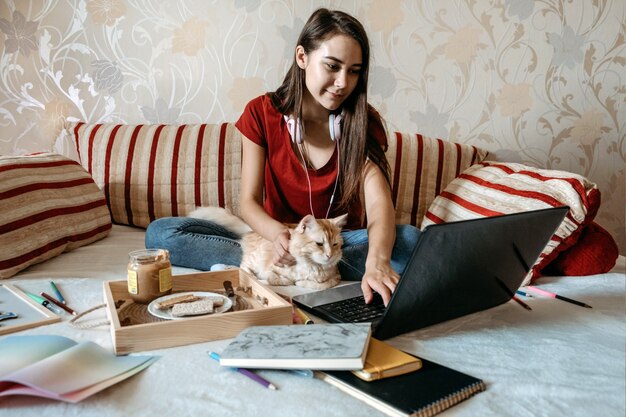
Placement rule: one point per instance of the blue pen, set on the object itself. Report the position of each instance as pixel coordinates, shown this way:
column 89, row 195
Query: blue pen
column 45, row 303
column 525, row 294
column 57, row 292
column 302, row 372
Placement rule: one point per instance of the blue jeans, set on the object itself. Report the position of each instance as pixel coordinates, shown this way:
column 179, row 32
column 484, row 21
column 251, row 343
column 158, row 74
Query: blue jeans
column 199, row 244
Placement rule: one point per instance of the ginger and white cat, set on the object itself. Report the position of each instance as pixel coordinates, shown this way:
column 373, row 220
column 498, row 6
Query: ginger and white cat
column 314, row 243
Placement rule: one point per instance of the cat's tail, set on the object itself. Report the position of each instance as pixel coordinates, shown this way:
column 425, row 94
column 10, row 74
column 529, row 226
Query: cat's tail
column 222, row 217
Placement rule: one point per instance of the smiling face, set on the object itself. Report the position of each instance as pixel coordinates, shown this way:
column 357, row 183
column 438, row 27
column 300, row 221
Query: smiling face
column 331, row 71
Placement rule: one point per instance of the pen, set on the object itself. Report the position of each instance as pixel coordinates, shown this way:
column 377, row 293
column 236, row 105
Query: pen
column 525, row 294
column 520, row 302
column 248, row 373
column 58, row 303
column 559, row 297
column 302, row 372
column 44, row 303
column 303, row 317
column 57, row 292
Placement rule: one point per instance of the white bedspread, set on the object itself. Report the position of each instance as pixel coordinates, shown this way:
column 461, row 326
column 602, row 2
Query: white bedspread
column 556, row 360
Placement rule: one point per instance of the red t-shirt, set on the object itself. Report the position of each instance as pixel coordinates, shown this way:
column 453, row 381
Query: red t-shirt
column 286, row 186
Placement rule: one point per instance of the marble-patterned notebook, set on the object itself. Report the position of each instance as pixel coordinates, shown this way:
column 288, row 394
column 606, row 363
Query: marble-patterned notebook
column 317, row 346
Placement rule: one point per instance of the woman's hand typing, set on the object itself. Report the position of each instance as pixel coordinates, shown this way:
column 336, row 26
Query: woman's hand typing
column 380, row 278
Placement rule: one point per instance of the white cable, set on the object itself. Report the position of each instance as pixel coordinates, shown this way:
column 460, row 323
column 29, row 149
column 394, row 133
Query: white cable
column 308, row 180
column 306, row 171
column 332, row 197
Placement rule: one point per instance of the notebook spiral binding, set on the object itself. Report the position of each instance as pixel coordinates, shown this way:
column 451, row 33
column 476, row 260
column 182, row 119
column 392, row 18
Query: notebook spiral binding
column 451, row 400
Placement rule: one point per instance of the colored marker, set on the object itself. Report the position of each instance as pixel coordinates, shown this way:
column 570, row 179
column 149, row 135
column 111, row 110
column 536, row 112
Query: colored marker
column 558, row 297
column 58, row 303
column 57, row 292
column 520, row 302
column 303, row 317
column 248, row 373
column 44, row 303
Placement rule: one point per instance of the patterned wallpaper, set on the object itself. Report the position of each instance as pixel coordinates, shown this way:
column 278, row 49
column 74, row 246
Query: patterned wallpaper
column 538, row 82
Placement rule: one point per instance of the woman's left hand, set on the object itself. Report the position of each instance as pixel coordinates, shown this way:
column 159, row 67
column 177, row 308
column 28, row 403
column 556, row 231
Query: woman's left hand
column 380, row 278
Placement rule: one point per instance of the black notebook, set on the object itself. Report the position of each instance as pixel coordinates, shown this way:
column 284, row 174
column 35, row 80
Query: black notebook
column 421, row 393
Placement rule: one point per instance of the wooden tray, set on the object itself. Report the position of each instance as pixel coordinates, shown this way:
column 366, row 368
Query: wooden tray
column 139, row 331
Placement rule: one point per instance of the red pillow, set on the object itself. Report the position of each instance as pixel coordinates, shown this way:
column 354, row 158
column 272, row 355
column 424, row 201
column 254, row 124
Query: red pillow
column 595, row 253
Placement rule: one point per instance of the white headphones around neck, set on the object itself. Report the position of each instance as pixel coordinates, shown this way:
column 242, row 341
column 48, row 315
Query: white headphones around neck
column 295, row 129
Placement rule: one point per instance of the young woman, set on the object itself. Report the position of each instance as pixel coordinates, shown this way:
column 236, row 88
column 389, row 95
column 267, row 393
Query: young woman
column 312, row 147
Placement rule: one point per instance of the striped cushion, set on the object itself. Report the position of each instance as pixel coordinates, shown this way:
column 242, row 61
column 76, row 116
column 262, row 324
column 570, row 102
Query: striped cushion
column 153, row 171
column 422, row 167
column 495, row 188
column 48, row 204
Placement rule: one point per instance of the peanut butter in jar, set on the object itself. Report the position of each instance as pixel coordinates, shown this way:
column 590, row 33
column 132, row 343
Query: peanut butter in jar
column 149, row 274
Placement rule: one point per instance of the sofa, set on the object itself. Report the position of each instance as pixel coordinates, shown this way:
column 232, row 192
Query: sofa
column 73, row 215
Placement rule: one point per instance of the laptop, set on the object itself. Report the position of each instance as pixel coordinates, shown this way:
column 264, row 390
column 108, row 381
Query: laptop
column 455, row 269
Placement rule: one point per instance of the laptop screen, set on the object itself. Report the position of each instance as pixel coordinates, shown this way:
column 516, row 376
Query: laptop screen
column 462, row 267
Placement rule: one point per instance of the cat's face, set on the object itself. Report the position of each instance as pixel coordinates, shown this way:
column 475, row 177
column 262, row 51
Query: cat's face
column 318, row 241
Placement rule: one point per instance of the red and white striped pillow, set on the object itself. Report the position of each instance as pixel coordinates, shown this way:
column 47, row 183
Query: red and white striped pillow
column 153, row 171
column 48, row 204
column 422, row 167
column 495, row 188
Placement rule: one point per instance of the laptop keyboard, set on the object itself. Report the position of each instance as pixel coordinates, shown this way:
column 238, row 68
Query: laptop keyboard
column 354, row 310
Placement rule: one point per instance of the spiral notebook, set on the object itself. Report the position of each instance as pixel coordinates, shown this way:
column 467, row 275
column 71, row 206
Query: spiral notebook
column 422, row 393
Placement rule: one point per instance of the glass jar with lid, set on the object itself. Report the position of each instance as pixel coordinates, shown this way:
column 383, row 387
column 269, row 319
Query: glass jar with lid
column 149, row 274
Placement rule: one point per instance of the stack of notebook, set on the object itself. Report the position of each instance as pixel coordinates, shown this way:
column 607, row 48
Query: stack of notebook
column 346, row 356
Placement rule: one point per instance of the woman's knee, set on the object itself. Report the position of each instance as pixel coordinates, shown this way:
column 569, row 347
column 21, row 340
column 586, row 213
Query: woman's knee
column 407, row 235
column 159, row 230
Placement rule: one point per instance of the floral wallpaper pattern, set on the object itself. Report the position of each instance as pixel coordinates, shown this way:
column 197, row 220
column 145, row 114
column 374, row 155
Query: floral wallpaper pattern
column 537, row 82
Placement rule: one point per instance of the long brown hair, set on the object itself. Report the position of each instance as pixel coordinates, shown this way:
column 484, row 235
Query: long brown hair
column 356, row 145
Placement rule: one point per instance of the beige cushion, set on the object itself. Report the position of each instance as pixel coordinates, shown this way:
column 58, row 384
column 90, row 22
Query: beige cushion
column 153, row 171
column 421, row 168
column 48, row 204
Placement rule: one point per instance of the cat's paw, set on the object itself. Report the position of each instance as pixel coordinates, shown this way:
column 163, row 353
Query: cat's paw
column 275, row 279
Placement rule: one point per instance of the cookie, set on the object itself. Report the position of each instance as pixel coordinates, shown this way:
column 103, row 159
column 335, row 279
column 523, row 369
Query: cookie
column 217, row 300
column 194, row 308
column 176, row 300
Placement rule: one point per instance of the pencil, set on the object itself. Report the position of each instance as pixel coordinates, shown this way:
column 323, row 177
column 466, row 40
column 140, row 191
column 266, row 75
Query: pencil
column 58, row 303
column 557, row 296
column 520, row 302
column 255, row 377
column 248, row 373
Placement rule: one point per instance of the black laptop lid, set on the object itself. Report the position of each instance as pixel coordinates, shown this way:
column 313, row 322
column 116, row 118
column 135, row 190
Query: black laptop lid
column 462, row 267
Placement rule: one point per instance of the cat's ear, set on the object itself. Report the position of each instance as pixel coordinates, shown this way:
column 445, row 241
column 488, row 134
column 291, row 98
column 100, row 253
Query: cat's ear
column 307, row 221
column 340, row 221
